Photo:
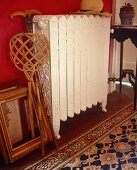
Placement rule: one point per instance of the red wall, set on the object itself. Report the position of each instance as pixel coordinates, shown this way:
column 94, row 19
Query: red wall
column 107, row 5
column 10, row 27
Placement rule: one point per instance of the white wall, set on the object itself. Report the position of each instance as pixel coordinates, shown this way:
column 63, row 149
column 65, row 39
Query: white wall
column 119, row 3
column 130, row 51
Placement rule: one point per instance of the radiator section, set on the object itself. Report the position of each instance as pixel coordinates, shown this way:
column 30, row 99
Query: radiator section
column 76, row 76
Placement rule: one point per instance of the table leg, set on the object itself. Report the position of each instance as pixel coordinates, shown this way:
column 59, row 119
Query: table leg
column 135, row 88
column 121, row 64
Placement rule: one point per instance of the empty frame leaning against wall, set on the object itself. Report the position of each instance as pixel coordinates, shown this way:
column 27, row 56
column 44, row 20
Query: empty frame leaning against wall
column 16, row 143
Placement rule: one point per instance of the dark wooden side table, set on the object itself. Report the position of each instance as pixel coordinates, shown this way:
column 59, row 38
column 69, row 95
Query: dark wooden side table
column 122, row 33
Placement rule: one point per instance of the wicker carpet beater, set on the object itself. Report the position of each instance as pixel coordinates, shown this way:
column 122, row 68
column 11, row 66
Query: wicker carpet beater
column 29, row 52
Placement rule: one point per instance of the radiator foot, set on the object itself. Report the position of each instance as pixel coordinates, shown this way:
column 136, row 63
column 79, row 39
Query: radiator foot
column 58, row 136
column 104, row 106
column 56, row 130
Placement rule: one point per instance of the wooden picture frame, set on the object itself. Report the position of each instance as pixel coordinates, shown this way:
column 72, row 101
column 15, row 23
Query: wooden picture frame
column 15, row 150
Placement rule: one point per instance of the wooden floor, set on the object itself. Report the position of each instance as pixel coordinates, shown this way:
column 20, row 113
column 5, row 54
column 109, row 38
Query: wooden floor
column 78, row 125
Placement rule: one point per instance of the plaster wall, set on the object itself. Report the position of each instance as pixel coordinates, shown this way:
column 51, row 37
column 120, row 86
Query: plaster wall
column 10, row 27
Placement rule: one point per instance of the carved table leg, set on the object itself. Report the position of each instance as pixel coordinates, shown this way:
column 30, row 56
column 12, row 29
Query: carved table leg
column 121, row 65
column 135, row 88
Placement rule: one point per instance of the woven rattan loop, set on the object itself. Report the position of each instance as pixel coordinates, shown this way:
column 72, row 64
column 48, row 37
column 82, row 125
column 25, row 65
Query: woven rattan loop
column 28, row 52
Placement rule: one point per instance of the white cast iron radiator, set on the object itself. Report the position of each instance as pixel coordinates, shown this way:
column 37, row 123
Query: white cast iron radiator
column 76, row 76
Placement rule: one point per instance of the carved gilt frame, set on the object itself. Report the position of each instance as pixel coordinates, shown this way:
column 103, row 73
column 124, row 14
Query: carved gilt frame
column 16, row 152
